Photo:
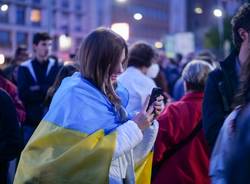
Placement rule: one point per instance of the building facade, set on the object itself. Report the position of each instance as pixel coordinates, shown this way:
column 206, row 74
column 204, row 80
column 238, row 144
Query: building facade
column 69, row 21
column 72, row 19
column 152, row 26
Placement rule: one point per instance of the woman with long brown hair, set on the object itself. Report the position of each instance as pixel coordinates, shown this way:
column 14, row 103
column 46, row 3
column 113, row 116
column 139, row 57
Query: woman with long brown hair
column 86, row 136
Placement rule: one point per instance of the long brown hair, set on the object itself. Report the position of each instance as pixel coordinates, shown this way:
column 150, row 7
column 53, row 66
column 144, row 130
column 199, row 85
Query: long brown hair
column 99, row 55
column 243, row 95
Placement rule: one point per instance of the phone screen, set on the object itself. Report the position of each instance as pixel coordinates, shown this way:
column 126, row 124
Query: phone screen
column 154, row 94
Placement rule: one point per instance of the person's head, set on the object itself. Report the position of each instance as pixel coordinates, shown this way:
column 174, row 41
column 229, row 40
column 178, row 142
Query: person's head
column 102, row 57
column 195, row 75
column 41, row 45
column 21, row 54
column 141, row 56
column 241, row 27
column 243, row 95
column 178, row 58
column 207, row 56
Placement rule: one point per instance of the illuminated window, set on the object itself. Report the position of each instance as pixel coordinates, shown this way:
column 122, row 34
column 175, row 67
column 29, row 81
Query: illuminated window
column 35, row 16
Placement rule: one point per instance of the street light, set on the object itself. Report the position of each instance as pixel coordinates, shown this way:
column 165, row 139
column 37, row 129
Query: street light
column 158, row 45
column 121, row 1
column 138, row 16
column 4, row 7
column 198, row 10
column 217, row 12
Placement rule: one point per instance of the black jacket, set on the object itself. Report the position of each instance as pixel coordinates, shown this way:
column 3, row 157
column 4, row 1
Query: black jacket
column 34, row 79
column 10, row 134
column 220, row 89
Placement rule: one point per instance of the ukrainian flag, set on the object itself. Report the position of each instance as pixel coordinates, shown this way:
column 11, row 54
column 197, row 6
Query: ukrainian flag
column 75, row 141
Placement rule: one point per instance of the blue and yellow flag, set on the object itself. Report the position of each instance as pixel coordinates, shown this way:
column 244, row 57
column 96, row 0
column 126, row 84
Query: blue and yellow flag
column 75, row 141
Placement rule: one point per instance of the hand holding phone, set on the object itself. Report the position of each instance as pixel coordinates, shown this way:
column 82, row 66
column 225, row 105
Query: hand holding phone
column 156, row 92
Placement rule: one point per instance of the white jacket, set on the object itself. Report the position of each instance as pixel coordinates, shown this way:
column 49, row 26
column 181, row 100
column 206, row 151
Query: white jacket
column 132, row 146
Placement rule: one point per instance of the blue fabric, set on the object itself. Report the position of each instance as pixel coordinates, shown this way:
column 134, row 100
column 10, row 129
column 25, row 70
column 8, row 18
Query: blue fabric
column 79, row 105
column 122, row 92
column 178, row 91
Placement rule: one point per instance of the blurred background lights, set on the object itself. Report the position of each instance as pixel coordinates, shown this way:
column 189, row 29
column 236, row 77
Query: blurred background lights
column 217, row 13
column 4, row 7
column 65, row 42
column 138, row 16
column 2, row 59
column 121, row 1
column 122, row 29
column 158, row 45
column 198, row 10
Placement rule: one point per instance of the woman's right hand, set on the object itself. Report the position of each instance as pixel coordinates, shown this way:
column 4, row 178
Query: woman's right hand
column 144, row 118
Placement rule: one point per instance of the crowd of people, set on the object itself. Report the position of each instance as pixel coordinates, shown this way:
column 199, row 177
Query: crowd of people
column 90, row 121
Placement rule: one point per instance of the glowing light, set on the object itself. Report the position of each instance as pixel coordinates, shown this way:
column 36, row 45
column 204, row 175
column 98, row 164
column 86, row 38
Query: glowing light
column 2, row 59
column 138, row 16
column 122, row 29
column 158, row 45
column 65, row 42
column 198, row 10
column 121, row 1
column 217, row 13
column 35, row 15
column 4, row 7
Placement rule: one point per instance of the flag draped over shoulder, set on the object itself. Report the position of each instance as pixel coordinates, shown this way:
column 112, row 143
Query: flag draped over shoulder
column 75, row 141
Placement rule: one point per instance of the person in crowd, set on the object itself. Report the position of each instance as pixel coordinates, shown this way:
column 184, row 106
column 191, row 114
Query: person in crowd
column 10, row 135
column 21, row 55
column 178, row 90
column 35, row 76
column 181, row 154
column 86, row 136
column 223, row 82
column 238, row 165
column 66, row 71
column 224, row 144
column 172, row 74
column 11, row 89
column 160, row 79
column 135, row 78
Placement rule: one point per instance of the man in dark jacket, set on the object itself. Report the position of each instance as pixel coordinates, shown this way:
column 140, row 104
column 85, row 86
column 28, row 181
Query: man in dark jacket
column 222, row 83
column 35, row 76
column 10, row 134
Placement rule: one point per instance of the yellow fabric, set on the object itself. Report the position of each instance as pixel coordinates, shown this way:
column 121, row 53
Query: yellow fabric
column 144, row 169
column 55, row 155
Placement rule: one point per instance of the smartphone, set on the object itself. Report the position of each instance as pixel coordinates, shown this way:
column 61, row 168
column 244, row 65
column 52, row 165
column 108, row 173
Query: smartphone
column 156, row 92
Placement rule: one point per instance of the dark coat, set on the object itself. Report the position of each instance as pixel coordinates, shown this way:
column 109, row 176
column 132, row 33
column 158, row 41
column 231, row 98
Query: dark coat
column 220, row 90
column 10, row 134
column 33, row 87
